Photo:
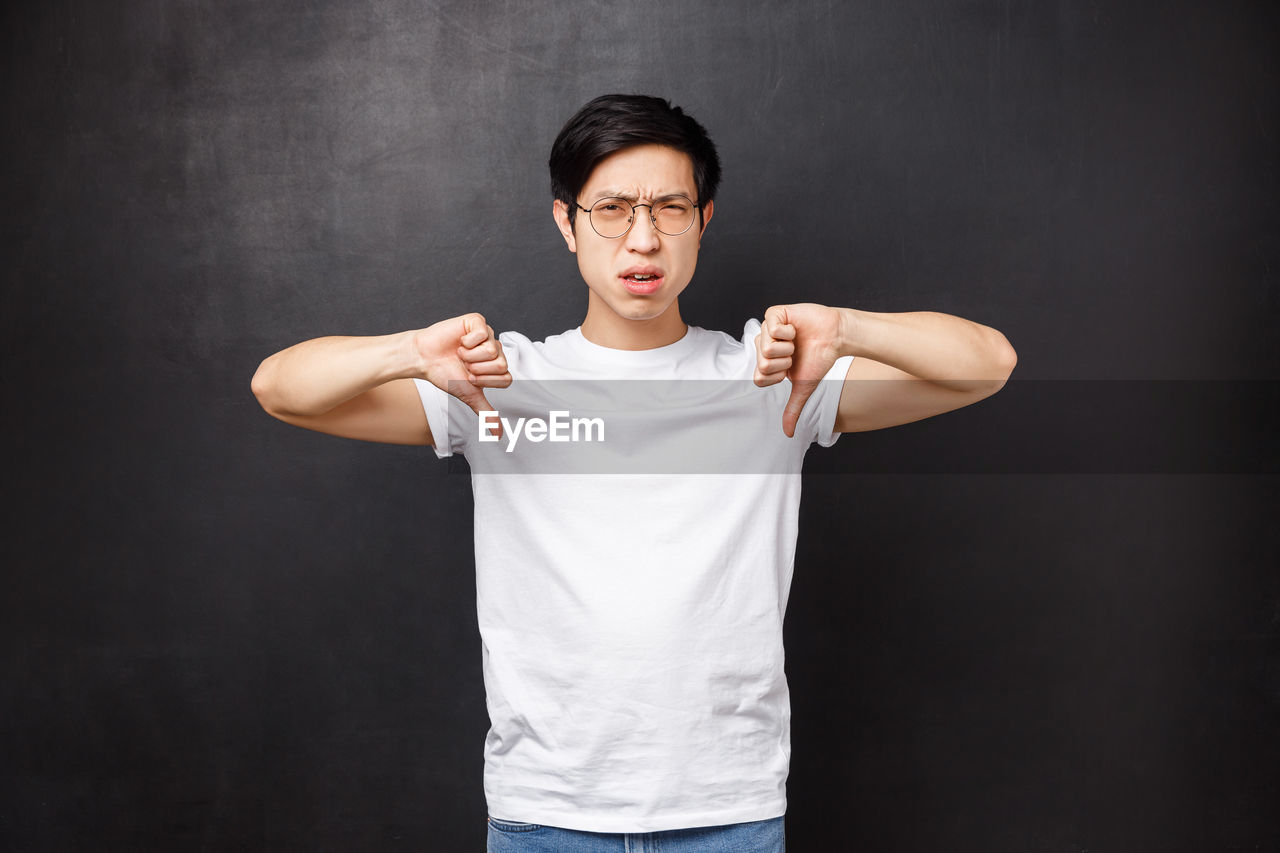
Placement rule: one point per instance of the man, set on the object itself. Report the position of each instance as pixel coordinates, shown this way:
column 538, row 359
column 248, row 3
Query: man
column 631, row 606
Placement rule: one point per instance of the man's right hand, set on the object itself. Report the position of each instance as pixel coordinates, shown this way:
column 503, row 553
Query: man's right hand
column 462, row 356
column 362, row 387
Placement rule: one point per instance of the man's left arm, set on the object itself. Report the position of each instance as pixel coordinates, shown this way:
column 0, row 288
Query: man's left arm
column 906, row 366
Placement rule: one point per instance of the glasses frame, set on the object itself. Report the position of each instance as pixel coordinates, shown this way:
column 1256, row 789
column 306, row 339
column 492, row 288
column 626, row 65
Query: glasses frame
column 631, row 220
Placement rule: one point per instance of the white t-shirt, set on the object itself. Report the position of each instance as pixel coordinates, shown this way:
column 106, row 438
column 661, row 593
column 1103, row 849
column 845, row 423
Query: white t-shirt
column 631, row 585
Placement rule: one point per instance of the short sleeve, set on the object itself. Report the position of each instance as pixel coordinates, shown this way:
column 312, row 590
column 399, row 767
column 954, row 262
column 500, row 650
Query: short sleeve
column 436, row 405
column 818, row 419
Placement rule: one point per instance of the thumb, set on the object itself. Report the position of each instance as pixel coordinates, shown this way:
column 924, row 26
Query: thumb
column 477, row 402
column 801, row 391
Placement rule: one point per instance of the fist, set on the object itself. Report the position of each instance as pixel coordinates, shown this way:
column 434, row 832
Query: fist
column 462, row 356
column 800, row 343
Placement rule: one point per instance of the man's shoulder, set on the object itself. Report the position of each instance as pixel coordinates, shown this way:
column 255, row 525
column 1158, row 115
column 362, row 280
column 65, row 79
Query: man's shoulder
column 512, row 338
column 724, row 343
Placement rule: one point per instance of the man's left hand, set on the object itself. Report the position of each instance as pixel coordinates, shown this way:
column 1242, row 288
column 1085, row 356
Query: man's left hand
column 798, row 342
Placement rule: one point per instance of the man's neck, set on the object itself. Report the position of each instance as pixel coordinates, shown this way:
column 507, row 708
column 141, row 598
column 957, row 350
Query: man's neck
column 605, row 328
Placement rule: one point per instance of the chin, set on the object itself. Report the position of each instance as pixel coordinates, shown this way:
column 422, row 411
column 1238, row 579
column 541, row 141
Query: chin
column 638, row 314
column 646, row 310
column 634, row 306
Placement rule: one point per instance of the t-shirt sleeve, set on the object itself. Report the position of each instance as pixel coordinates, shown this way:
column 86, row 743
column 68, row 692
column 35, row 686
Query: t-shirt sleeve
column 817, row 421
column 436, row 404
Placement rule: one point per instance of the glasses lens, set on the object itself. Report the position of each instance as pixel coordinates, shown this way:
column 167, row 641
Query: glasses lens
column 611, row 217
column 673, row 215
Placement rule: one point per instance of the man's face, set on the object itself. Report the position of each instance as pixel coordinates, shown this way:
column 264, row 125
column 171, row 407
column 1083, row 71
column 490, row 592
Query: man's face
column 641, row 174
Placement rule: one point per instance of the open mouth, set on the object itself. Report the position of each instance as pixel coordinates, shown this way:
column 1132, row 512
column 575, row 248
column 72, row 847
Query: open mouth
column 642, row 282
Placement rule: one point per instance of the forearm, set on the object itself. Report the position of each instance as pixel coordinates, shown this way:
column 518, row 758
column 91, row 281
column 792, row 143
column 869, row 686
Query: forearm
column 313, row 377
column 946, row 350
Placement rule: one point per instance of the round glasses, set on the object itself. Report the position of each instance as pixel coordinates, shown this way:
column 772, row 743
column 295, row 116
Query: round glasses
column 613, row 217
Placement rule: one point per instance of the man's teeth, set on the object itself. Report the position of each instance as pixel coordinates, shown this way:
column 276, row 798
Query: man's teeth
column 641, row 277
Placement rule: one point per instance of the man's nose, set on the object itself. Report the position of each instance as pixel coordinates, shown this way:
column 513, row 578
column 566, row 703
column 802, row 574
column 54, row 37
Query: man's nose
column 643, row 236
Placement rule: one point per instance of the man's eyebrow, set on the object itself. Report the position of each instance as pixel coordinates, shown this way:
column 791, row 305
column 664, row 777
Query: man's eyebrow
column 632, row 197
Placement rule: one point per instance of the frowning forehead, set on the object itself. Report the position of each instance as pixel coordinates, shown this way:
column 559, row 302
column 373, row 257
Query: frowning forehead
column 632, row 195
column 642, row 172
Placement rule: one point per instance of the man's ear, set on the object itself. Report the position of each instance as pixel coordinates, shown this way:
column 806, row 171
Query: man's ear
column 560, row 211
column 707, row 209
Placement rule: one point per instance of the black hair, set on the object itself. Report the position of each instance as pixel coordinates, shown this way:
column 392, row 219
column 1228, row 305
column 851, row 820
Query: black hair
column 611, row 123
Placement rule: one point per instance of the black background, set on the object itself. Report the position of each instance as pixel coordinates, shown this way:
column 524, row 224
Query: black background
column 1050, row 622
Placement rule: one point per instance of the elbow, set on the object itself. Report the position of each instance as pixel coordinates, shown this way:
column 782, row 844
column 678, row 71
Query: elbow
column 1008, row 357
column 997, row 359
column 263, row 388
column 1004, row 360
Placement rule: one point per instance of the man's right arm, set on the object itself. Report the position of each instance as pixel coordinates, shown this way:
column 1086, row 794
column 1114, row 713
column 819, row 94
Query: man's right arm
column 362, row 387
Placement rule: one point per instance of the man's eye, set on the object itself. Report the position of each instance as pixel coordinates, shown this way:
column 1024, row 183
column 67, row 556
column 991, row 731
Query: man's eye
column 609, row 208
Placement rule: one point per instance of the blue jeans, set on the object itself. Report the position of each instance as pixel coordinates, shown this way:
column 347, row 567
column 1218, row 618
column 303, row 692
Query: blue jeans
column 758, row 836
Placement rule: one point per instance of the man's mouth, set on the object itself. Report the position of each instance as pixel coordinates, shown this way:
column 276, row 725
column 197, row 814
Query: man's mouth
column 642, row 282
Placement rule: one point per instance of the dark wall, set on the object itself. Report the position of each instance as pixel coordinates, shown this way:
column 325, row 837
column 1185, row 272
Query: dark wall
column 1050, row 622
